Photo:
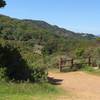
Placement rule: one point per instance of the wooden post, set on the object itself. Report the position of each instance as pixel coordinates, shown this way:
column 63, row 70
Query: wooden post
column 72, row 63
column 89, row 61
column 60, row 64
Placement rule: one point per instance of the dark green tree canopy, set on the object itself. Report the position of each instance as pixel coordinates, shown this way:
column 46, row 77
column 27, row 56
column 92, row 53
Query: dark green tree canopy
column 2, row 3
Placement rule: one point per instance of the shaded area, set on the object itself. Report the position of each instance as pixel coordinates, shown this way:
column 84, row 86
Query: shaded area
column 13, row 67
column 54, row 81
column 16, row 67
column 75, row 67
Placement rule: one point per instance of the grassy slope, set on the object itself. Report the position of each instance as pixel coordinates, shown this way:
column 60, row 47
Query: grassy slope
column 29, row 91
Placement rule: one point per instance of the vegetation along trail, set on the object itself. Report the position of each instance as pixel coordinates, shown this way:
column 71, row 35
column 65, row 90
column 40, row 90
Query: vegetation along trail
column 83, row 86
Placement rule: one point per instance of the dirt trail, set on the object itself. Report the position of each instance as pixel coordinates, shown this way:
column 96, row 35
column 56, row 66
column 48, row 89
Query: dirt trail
column 83, row 86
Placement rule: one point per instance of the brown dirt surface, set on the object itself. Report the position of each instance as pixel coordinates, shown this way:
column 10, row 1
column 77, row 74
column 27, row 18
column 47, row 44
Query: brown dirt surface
column 83, row 86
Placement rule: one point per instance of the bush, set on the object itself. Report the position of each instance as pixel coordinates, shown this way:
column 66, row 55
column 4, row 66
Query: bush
column 79, row 52
column 3, row 76
column 16, row 67
column 39, row 74
column 87, row 68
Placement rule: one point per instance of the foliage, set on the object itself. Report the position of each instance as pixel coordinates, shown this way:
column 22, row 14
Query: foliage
column 29, row 91
column 98, row 39
column 42, row 33
column 50, row 47
column 17, row 68
column 2, row 3
column 11, row 59
column 79, row 52
column 91, row 70
column 39, row 74
column 87, row 68
column 27, row 46
column 97, row 52
column 3, row 76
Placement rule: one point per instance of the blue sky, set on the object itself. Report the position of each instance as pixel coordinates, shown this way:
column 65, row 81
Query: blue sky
column 75, row 15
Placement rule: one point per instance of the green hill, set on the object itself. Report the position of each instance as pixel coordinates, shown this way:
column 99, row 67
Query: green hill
column 40, row 44
column 16, row 29
column 36, row 32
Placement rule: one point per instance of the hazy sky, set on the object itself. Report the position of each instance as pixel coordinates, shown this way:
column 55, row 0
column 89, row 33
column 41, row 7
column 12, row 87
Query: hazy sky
column 76, row 15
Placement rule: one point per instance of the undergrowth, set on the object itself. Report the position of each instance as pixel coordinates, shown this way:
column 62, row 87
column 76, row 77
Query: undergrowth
column 28, row 91
column 91, row 70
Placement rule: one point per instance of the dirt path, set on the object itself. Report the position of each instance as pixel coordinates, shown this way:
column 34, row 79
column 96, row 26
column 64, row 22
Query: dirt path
column 83, row 86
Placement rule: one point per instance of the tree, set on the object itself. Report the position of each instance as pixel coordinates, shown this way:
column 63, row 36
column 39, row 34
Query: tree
column 11, row 60
column 79, row 52
column 2, row 3
column 50, row 47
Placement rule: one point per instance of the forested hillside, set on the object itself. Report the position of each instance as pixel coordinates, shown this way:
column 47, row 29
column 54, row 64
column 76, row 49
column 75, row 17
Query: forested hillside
column 38, row 44
column 41, row 60
column 41, row 33
column 11, row 28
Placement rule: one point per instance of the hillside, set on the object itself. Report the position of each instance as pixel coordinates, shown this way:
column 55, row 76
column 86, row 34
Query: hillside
column 36, row 34
column 29, row 47
column 11, row 28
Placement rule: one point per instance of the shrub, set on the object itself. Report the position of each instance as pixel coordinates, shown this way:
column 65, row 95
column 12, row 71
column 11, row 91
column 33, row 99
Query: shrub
column 3, row 76
column 39, row 74
column 87, row 68
column 79, row 52
column 16, row 67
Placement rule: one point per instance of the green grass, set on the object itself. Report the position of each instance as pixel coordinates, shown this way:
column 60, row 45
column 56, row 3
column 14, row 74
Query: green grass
column 91, row 70
column 29, row 91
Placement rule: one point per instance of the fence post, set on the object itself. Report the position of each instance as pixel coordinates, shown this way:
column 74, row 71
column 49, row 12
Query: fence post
column 72, row 63
column 60, row 64
column 89, row 61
